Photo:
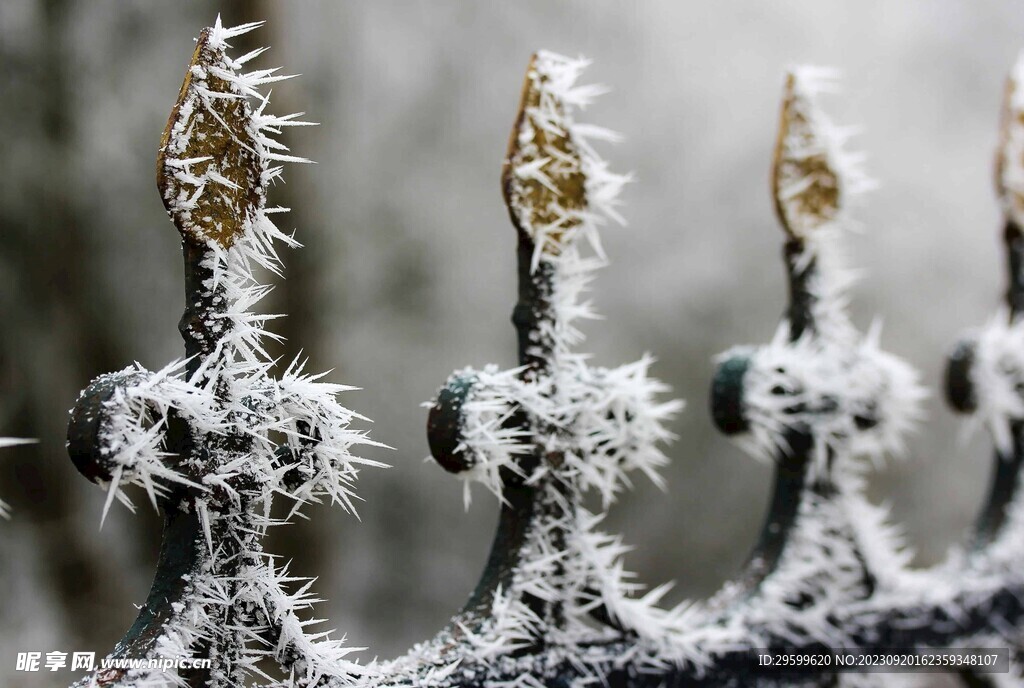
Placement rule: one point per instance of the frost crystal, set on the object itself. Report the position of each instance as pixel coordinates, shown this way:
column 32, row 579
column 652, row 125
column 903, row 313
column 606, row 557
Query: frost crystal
column 997, row 376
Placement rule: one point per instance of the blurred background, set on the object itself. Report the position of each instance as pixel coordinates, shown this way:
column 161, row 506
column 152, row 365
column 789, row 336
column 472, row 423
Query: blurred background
column 408, row 270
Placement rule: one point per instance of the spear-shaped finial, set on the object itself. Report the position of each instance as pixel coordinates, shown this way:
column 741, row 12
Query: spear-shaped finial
column 985, row 371
column 209, row 178
column 213, row 166
column 555, row 185
column 1010, row 150
column 812, row 177
column 542, row 178
column 543, row 434
column 214, row 439
column 820, row 395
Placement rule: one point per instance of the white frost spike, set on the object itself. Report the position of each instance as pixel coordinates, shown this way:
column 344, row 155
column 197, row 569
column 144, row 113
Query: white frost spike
column 997, row 376
column 859, row 402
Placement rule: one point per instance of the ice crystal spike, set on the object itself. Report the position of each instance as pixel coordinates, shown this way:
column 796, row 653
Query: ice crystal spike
column 806, row 183
column 210, row 172
column 1010, row 152
column 543, row 177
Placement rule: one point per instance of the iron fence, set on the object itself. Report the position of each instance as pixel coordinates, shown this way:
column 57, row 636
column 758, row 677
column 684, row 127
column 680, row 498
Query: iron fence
column 214, row 440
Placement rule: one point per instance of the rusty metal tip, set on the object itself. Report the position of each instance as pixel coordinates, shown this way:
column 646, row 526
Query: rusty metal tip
column 513, row 137
column 212, row 197
column 805, row 184
column 1009, row 152
column 542, row 178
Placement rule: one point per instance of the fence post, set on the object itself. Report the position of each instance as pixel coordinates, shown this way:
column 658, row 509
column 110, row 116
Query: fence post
column 541, row 435
column 213, row 439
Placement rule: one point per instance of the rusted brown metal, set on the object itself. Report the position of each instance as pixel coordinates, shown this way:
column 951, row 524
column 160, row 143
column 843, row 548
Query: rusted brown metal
column 212, row 197
column 805, row 183
column 1009, row 151
column 531, row 202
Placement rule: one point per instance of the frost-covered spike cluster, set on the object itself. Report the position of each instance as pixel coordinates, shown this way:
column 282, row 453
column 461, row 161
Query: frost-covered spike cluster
column 489, row 440
column 820, row 569
column 601, row 424
column 840, row 552
column 131, row 433
column 553, row 175
column 814, row 180
column 621, row 427
column 986, row 374
column 218, row 155
column 856, row 399
column 997, row 378
column 1010, row 153
column 248, row 438
column 605, row 425
column 5, row 509
column 857, row 402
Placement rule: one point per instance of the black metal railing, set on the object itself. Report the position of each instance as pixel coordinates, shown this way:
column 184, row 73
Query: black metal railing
column 214, row 439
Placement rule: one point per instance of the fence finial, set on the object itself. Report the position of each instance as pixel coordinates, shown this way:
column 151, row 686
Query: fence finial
column 818, row 401
column 542, row 177
column 985, row 371
column 211, row 177
column 812, row 176
column 213, row 440
column 1009, row 167
column 541, row 435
